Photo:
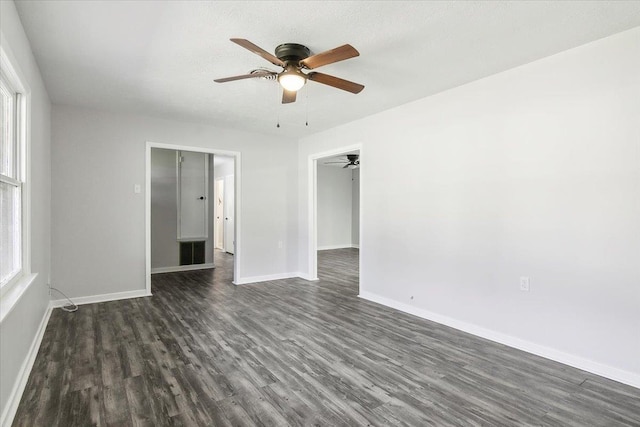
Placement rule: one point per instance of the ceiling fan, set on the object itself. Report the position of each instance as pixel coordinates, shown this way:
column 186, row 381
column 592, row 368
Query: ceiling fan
column 352, row 162
column 293, row 58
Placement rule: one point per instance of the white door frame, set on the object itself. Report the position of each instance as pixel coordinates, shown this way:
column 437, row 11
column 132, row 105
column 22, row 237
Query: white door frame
column 228, row 245
column 216, row 195
column 147, row 196
column 312, row 203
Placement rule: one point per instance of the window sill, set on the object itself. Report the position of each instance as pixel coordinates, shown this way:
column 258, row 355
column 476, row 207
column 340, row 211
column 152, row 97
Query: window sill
column 12, row 296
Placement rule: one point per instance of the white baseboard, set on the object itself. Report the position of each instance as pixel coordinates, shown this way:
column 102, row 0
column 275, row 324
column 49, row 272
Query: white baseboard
column 182, row 268
column 257, row 279
column 606, row 371
column 6, row 419
column 102, row 298
column 355, row 246
column 330, row 247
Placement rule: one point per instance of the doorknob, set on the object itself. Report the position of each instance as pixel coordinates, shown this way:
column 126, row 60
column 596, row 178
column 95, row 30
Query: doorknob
column 201, row 198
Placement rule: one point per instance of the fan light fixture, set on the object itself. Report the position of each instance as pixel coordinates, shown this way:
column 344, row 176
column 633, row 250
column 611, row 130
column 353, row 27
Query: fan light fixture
column 291, row 79
column 293, row 58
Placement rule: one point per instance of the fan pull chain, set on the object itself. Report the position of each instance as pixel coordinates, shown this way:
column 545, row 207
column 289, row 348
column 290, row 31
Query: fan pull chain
column 306, row 95
column 279, row 106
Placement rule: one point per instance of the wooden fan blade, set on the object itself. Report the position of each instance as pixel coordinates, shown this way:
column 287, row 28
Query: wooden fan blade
column 258, row 51
column 244, row 76
column 335, row 82
column 288, row 96
column 330, row 56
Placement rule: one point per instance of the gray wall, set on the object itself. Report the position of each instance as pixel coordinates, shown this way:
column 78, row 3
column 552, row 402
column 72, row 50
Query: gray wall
column 224, row 166
column 99, row 222
column 19, row 328
column 334, row 207
column 530, row 172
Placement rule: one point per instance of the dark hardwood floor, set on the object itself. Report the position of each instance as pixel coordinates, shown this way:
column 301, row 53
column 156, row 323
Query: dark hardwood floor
column 203, row 352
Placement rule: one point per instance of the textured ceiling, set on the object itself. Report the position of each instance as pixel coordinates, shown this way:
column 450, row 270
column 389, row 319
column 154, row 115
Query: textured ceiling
column 160, row 57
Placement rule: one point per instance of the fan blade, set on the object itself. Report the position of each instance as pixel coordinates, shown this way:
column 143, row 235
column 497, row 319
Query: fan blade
column 346, row 166
column 258, row 51
column 330, row 56
column 335, row 82
column 244, row 76
column 288, row 96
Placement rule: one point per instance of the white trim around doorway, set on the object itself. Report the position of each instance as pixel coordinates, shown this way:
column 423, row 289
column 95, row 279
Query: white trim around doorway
column 238, row 202
column 312, row 203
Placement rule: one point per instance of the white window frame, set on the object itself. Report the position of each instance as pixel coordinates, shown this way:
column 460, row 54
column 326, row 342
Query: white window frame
column 14, row 288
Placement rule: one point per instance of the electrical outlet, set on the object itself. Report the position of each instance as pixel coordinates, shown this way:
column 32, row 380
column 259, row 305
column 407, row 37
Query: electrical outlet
column 524, row 283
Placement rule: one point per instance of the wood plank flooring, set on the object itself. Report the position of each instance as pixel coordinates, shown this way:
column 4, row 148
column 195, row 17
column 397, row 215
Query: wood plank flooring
column 203, row 352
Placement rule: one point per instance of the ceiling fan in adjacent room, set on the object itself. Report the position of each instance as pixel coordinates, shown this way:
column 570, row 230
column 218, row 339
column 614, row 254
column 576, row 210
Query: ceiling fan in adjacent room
column 352, row 162
column 293, row 58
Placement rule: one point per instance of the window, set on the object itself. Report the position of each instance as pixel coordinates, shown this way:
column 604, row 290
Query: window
column 11, row 183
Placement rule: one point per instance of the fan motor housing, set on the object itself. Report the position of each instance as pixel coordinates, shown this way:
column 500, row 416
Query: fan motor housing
column 292, row 52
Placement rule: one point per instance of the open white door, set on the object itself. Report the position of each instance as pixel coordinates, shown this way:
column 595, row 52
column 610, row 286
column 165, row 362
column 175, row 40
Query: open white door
column 192, row 195
column 219, row 214
column 229, row 213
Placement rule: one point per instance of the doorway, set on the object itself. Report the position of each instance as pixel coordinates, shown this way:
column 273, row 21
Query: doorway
column 224, row 219
column 347, row 235
column 208, row 198
column 181, row 211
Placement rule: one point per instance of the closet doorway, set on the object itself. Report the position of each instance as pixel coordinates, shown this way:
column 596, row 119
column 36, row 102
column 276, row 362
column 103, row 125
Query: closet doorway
column 181, row 208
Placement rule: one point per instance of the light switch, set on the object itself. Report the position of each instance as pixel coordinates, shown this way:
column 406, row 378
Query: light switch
column 136, row 188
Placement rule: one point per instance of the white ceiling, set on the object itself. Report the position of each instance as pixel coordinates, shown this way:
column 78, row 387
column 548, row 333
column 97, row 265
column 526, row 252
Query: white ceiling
column 160, row 57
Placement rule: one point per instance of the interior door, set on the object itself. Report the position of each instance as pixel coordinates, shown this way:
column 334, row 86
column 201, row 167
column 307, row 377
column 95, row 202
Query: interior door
column 192, row 195
column 229, row 212
column 219, row 219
